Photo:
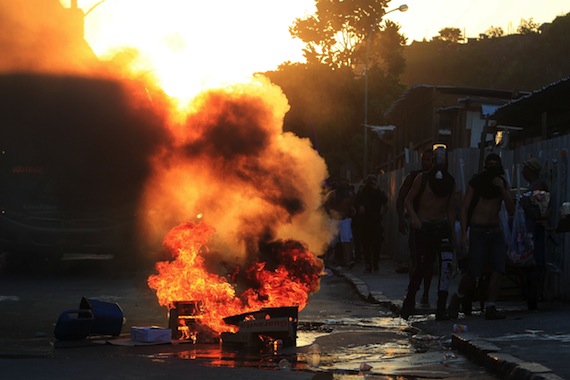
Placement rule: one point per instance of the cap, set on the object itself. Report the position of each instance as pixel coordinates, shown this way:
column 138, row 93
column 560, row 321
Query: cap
column 533, row 164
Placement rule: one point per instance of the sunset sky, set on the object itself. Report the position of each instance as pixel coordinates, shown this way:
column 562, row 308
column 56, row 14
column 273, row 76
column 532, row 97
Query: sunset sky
column 227, row 39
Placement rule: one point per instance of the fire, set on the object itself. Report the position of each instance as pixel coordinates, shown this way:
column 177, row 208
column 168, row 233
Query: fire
column 287, row 277
column 257, row 191
column 245, row 195
column 254, row 194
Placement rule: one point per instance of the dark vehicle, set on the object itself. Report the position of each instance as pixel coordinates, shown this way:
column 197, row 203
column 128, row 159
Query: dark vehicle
column 73, row 161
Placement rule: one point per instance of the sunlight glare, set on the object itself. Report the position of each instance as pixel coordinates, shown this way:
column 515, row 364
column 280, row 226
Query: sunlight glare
column 189, row 46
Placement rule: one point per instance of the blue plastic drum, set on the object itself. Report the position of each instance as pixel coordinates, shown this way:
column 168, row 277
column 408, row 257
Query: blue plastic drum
column 107, row 316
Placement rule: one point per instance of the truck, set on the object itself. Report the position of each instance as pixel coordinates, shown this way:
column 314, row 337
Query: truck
column 74, row 156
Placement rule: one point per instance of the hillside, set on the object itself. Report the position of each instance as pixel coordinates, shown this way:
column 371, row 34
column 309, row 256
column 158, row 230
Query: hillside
column 522, row 62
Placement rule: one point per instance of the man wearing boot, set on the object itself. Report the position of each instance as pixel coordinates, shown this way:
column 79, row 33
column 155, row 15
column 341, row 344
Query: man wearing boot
column 431, row 217
column 480, row 209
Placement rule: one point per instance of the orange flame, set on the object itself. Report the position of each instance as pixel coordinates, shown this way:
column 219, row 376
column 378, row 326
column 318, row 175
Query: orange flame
column 221, row 154
column 230, row 163
column 286, row 278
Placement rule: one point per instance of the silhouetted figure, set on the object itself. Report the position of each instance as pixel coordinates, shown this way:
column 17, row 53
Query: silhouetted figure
column 403, row 221
column 339, row 205
column 371, row 205
column 536, row 223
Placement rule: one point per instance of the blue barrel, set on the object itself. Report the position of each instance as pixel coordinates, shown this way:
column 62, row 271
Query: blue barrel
column 74, row 324
column 107, row 316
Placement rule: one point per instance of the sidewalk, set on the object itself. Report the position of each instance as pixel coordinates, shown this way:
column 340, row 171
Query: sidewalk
column 525, row 345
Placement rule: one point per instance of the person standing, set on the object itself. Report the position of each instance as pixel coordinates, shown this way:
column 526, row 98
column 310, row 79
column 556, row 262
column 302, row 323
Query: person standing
column 431, row 218
column 403, row 222
column 536, row 224
column 487, row 248
column 339, row 205
column 371, row 205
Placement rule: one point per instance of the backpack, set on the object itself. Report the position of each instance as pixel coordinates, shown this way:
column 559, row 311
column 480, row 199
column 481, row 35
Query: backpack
column 422, row 188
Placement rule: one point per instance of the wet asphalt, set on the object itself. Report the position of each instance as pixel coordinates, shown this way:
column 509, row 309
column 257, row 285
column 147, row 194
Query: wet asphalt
column 526, row 345
column 348, row 331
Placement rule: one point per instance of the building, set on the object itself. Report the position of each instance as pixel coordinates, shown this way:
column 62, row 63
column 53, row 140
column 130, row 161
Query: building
column 425, row 114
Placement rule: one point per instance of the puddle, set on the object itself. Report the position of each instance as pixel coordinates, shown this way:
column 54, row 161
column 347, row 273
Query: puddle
column 306, row 338
column 308, row 355
column 383, row 322
column 341, row 347
column 215, row 355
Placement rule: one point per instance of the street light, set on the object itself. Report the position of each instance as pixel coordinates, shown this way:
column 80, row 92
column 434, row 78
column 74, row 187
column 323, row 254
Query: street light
column 401, row 8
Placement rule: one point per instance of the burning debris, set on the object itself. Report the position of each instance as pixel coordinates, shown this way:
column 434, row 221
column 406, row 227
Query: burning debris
column 223, row 156
column 268, row 288
column 273, row 327
column 269, row 327
column 257, row 190
column 184, row 321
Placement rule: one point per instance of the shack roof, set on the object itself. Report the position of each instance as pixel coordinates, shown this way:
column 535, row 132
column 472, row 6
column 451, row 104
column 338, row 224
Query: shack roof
column 528, row 110
column 413, row 95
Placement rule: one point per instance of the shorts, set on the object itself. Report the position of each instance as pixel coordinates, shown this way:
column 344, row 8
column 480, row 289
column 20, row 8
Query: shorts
column 345, row 230
column 487, row 249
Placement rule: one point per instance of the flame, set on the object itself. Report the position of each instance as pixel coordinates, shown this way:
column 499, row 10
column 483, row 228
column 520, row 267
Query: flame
column 257, row 192
column 217, row 155
column 286, row 278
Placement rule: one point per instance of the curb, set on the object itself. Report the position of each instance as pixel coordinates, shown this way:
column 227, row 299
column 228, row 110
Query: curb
column 366, row 294
column 503, row 364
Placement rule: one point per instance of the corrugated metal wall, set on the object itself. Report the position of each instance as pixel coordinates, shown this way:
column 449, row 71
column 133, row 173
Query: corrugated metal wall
column 463, row 164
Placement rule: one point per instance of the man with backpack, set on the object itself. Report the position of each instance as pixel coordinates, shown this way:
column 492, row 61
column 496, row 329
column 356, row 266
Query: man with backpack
column 431, row 219
column 403, row 222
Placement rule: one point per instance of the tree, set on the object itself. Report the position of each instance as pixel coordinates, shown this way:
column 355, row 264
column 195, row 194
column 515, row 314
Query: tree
column 494, row 32
column 338, row 27
column 387, row 50
column 528, row 27
column 452, row 35
column 326, row 94
column 326, row 107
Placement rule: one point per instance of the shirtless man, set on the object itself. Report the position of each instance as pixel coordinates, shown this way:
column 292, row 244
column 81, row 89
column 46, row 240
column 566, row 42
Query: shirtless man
column 431, row 219
column 487, row 247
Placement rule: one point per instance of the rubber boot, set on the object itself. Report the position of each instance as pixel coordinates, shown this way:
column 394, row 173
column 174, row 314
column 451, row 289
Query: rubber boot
column 453, row 309
column 441, row 313
column 407, row 307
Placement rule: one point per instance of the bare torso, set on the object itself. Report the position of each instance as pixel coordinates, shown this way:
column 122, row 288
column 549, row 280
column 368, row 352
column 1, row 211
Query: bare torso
column 431, row 207
column 486, row 212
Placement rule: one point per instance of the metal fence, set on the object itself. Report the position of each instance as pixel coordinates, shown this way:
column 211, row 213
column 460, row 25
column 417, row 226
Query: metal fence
column 463, row 164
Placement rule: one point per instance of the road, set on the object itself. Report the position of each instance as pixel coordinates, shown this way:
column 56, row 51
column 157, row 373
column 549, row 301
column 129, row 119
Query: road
column 339, row 335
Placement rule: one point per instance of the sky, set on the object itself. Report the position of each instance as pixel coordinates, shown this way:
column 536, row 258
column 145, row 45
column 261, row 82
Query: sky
column 225, row 40
column 424, row 19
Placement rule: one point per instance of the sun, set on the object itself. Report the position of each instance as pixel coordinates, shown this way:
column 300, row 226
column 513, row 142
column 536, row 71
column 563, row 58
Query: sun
column 189, row 46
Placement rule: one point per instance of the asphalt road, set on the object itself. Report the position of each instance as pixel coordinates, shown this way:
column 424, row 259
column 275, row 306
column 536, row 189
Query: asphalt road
column 339, row 334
